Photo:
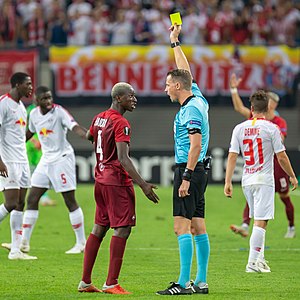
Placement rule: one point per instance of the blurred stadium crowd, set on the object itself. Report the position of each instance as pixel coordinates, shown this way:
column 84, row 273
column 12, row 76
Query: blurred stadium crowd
column 42, row 23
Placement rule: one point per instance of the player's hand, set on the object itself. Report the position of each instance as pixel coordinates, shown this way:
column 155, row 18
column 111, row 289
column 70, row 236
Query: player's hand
column 175, row 31
column 234, row 81
column 147, row 189
column 294, row 182
column 228, row 190
column 183, row 190
column 3, row 169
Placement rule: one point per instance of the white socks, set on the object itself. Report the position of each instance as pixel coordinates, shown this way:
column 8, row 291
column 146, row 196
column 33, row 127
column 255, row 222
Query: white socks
column 30, row 218
column 3, row 212
column 77, row 222
column 16, row 219
column 257, row 241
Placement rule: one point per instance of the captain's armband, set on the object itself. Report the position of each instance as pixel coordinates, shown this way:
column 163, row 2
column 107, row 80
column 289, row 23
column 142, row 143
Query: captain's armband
column 194, row 130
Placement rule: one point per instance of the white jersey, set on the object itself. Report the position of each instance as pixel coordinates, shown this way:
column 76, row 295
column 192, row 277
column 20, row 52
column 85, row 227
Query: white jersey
column 257, row 140
column 52, row 132
column 13, row 117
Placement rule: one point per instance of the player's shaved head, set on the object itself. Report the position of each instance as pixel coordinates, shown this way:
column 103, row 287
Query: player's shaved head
column 120, row 89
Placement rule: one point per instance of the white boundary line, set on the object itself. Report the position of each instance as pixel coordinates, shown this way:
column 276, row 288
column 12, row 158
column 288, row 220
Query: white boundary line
column 219, row 250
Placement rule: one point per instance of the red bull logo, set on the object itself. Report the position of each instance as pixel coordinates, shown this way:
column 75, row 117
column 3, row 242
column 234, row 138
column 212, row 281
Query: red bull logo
column 46, row 132
column 21, row 122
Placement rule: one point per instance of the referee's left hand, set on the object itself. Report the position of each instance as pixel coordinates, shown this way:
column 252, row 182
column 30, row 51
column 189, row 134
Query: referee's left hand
column 184, row 189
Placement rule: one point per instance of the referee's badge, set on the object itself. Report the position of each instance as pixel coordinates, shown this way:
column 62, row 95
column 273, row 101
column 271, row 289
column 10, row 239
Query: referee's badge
column 127, row 130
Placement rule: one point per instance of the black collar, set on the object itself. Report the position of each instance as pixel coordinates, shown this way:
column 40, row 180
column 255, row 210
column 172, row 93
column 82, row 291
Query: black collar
column 187, row 100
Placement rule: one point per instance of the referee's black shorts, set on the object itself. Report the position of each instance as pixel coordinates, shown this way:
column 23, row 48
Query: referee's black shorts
column 194, row 204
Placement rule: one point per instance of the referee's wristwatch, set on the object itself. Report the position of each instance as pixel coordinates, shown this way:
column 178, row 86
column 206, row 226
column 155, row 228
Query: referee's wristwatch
column 173, row 45
column 187, row 174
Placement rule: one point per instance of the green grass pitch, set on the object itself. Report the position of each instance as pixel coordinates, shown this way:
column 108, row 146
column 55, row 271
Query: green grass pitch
column 151, row 258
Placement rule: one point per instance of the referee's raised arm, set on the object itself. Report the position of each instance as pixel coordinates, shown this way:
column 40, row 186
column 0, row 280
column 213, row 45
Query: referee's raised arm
column 180, row 58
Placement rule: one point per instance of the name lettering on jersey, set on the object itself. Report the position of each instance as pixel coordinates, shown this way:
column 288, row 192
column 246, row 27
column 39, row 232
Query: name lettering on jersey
column 46, row 132
column 100, row 122
column 21, row 122
column 251, row 131
column 253, row 170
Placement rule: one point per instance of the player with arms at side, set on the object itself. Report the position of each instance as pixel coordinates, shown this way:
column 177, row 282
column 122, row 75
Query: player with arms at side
column 114, row 192
column 14, row 167
column 281, row 178
column 258, row 140
column 34, row 153
column 191, row 135
column 57, row 165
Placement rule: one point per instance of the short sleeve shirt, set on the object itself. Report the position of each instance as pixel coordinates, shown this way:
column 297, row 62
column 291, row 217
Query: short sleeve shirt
column 108, row 128
column 192, row 114
column 257, row 140
column 52, row 132
column 13, row 118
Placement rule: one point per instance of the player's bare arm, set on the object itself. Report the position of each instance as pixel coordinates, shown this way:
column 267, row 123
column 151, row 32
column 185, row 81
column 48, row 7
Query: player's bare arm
column 29, row 135
column 180, row 58
column 81, row 131
column 3, row 169
column 89, row 136
column 236, row 99
column 194, row 153
column 232, row 157
column 287, row 167
column 126, row 162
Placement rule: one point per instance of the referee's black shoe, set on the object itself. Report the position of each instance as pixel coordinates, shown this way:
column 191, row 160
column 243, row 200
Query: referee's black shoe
column 200, row 288
column 176, row 289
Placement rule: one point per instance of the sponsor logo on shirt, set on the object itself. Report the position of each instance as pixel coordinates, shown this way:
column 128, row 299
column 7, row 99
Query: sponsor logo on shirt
column 195, row 122
column 45, row 131
column 21, row 122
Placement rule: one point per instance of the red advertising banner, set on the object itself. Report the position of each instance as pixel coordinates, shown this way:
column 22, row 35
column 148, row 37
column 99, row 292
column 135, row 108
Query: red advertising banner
column 12, row 61
column 92, row 71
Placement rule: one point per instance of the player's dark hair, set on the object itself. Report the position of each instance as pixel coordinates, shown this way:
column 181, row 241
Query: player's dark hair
column 259, row 101
column 18, row 78
column 41, row 90
column 183, row 76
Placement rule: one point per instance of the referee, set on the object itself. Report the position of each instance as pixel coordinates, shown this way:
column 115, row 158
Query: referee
column 191, row 135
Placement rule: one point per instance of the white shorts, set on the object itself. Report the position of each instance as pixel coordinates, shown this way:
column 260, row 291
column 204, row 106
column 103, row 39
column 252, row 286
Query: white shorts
column 60, row 175
column 261, row 201
column 18, row 176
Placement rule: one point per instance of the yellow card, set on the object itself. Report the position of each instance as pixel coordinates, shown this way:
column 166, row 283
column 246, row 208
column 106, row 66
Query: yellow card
column 176, row 18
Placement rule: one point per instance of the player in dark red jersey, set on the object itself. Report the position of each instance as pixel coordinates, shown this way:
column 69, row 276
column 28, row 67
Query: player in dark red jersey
column 281, row 178
column 114, row 192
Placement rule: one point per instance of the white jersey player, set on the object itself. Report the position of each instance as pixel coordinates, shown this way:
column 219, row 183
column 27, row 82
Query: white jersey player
column 57, row 165
column 258, row 140
column 14, row 167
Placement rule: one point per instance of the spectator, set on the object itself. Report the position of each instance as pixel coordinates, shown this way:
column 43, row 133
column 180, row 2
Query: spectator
column 122, row 30
column 58, row 29
column 142, row 32
column 9, row 21
column 100, row 27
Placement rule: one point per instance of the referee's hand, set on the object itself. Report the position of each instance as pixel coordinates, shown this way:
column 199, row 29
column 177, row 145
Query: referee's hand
column 147, row 189
column 183, row 190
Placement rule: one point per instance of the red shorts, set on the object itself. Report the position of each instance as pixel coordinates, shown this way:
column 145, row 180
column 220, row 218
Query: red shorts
column 282, row 184
column 115, row 205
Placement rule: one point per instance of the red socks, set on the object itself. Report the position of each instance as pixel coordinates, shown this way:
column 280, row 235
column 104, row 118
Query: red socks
column 117, row 248
column 90, row 254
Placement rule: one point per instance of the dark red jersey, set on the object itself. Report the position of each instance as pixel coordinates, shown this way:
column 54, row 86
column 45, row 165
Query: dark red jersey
column 281, row 123
column 108, row 128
